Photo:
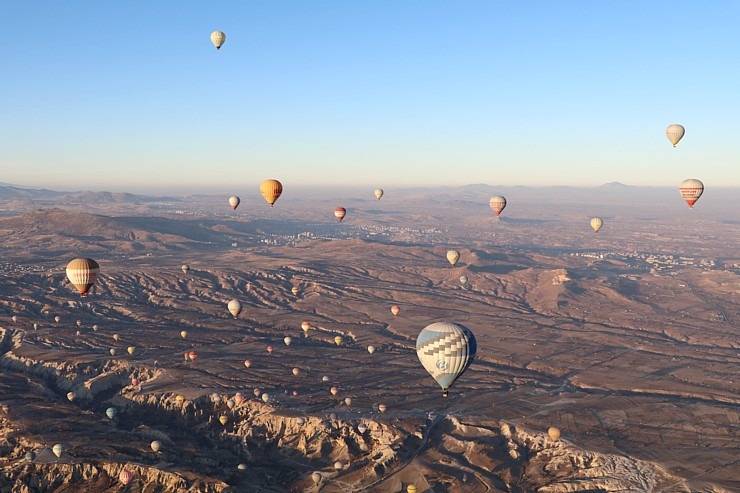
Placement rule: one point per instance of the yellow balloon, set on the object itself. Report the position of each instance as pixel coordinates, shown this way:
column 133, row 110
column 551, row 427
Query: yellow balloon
column 271, row 190
column 553, row 433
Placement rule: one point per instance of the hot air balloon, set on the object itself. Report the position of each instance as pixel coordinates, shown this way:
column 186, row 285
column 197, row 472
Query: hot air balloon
column 185, row 268
column 691, row 190
column 14, row 318
column 287, row 340
column 395, row 310
column 116, row 337
column 265, row 398
column 238, row 398
column 131, row 350
column 230, row 403
column 675, row 133
column 234, row 201
column 324, row 378
column 58, row 449
column 125, row 477
column 463, row 280
column 382, row 408
column 57, row 319
column 305, row 326
column 112, row 351
column 179, row 399
column 497, row 204
column 348, row 401
column 411, row 489
column 338, row 340
column 362, row 428
column 95, row 328
column 223, row 420
column 183, row 333
column 296, row 371
column 334, row 391
column 378, row 193
column 247, row 363
column 453, row 256
column 235, row 308
column 269, row 349
column 155, row 445
column 135, row 381
column 371, row 349
column 271, row 190
column 553, row 433
column 192, row 355
column 294, row 290
column 338, row 466
column 316, row 477
column 256, row 392
column 82, row 273
column 339, row 213
column 71, row 396
column 218, row 39
column 111, row 412
column 242, row 467
column 446, row 350
column 596, row 224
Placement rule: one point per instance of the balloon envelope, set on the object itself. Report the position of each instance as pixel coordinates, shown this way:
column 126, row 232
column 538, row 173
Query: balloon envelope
column 126, row 476
column 71, row 396
column 463, row 280
column 185, row 268
column 371, row 349
column 675, row 133
column 82, row 273
column 691, row 190
column 271, row 190
column 234, row 201
column 497, row 203
column 446, row 350
column 596, row 224
column 553, row 433
column 294, row 290
column 287, row 341
column 338, row 340
column 58, row 449
column 395, row 310
column 339, row 213
column 111, row 412
column 156, row 445
column 223, row 420
column 378, row 193
column 453, row 256
column 218, row 39
column 235, row 308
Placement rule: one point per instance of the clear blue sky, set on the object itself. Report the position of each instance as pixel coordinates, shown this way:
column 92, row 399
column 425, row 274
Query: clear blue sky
column 117, row 95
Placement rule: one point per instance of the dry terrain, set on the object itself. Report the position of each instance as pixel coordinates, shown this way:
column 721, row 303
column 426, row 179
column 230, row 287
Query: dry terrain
column 630, row 350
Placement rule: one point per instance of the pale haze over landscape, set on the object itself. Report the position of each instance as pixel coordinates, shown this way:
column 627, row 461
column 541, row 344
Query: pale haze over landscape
column 477, row 272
